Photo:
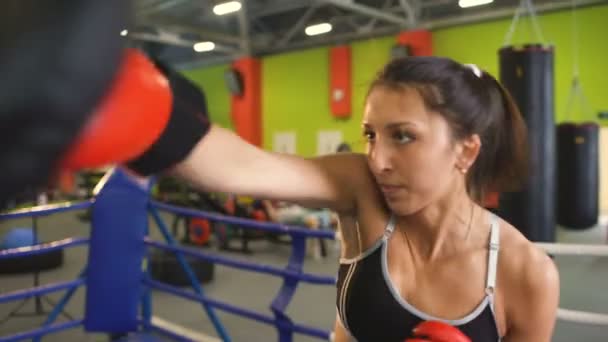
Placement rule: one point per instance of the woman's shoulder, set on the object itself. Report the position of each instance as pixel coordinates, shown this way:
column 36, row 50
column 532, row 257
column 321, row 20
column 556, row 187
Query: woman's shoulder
column 529, row 275
column 523, row 261
column 353, row 173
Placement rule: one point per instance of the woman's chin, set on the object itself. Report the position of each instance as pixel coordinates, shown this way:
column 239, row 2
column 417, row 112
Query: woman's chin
column 401, row 208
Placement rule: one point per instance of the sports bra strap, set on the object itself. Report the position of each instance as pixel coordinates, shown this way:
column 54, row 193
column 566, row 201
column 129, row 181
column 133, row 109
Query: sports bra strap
column 493, row 254
column 390, row 226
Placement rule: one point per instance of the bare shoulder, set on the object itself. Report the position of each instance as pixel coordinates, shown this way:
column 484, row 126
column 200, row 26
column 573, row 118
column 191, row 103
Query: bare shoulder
column 529, row 282
column 351, row 172
column 353, row 163
column 525, row 264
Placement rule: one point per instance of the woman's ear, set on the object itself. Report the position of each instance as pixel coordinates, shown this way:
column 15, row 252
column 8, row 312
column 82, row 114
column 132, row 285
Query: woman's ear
column 468, row 151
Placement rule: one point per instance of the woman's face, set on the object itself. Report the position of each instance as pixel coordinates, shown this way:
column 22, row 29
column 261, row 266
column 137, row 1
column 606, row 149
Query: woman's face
column 410, row 150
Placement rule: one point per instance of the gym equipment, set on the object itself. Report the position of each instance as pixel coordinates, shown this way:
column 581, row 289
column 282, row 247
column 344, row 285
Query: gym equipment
column 578, row 175
column 19, row 237
column 68, row 36
column 199, row 231
column 527, row 72
column 165, row 267
column 26, row 237
column 129, row 119
column 578, row 156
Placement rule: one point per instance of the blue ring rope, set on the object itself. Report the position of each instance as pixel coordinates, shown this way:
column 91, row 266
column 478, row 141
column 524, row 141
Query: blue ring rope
column 44, row 210
column 245, row 265
column 40, row 290
column 265, row 226
column 42, row 248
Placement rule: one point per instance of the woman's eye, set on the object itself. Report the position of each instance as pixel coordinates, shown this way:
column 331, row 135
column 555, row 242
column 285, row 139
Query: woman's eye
column 369, row 135
column 402, row 137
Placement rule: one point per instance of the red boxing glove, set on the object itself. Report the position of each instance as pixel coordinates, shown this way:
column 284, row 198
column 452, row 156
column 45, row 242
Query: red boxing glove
column 434, row 331
column 128, row 120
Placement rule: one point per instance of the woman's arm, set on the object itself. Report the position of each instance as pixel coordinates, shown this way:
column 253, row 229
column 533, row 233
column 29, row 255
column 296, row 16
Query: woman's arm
column 223, row 162
column 340, row 333
column 534, row 298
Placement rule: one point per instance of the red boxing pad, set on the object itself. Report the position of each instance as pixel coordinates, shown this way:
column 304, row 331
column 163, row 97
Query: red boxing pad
column 128, row 120
column 434, row 331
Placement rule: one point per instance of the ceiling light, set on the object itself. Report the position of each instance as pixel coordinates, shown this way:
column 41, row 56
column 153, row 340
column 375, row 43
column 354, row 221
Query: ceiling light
column 124, row 32
column 203, row 46
column 472, row 3
column 316, row 29
column 226, row 7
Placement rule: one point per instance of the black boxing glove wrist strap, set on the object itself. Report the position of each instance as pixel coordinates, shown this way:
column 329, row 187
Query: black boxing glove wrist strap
column 187, row 125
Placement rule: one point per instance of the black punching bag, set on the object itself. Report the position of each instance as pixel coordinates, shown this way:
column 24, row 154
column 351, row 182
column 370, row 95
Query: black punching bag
column 527, row 72
column 578, row 175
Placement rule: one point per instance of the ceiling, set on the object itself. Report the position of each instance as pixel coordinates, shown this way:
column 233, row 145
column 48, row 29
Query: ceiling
column 169, row 28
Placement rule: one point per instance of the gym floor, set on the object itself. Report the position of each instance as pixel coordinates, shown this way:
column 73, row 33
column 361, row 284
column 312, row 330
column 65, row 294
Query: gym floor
column 583, row 287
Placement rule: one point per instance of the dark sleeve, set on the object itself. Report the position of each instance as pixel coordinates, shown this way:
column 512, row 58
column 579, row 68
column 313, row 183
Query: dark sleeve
column 188, row 124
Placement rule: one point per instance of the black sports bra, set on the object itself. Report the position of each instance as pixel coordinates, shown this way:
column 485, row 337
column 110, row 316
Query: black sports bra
column 371, row 309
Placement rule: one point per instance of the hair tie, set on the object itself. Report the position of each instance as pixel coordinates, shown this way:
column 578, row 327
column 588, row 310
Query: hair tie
column 475, row 69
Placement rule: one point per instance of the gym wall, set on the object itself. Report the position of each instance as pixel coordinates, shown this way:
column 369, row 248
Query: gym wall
column 211, row 79
column 479, row 43
column 295, row 94
column 295, row 90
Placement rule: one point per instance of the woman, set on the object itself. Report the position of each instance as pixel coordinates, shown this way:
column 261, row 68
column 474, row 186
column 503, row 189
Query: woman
column 417, row 245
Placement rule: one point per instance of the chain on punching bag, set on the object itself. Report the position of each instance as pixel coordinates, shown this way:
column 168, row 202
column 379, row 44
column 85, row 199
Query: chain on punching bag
column 577, row 155
column 527, row 72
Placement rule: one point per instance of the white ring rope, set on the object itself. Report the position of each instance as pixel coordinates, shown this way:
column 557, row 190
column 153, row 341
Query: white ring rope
column 573, row 249
column 582, row 317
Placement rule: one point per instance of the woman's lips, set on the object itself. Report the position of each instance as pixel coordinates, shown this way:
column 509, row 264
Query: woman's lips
column 388, row 189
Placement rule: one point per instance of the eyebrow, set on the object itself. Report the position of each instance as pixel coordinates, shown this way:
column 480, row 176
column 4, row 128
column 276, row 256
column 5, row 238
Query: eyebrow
column 393, row 124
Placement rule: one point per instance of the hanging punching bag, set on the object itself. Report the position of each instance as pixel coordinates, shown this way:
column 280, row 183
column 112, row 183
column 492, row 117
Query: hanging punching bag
column 578, row 175
column 527, row 72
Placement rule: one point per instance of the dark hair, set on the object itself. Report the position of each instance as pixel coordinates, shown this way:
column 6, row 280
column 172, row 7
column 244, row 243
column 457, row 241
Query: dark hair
column 472, row 102
column 343, row 147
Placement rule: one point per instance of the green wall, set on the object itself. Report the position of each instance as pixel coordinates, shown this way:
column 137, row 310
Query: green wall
column 218, row 98
column 479, row 43
column 296, row 93
column 295, row 85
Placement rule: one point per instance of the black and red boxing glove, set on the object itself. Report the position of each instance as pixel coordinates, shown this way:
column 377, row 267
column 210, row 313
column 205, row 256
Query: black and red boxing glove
column 188, row 123
column 150, row 120
column 434, row 331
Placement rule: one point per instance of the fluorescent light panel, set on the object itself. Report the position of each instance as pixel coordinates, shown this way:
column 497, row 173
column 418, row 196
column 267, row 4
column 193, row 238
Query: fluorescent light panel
column 317, row 29
column 473, row 3
column 227, row 7
column 204, row 46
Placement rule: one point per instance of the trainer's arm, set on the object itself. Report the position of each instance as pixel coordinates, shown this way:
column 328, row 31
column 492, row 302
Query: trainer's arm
column 224, row 162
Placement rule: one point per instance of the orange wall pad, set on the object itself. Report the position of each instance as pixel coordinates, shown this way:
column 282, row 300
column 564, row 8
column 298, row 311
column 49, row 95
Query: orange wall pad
column 340, row 81
column 247, row 109
column 421, row 41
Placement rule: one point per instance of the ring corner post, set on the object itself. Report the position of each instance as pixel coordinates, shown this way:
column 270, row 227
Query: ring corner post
column 116, row 251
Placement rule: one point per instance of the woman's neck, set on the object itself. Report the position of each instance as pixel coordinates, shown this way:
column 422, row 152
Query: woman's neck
column 442, row 228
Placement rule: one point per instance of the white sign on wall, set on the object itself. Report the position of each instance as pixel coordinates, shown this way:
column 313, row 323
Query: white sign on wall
column 328, row 141
column 284, row 142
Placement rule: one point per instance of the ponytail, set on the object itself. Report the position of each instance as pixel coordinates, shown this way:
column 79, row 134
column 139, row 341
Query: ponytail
column 506, row 164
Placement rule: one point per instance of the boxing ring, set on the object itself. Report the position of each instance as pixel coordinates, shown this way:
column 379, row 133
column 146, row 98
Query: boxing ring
column 119, row 287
